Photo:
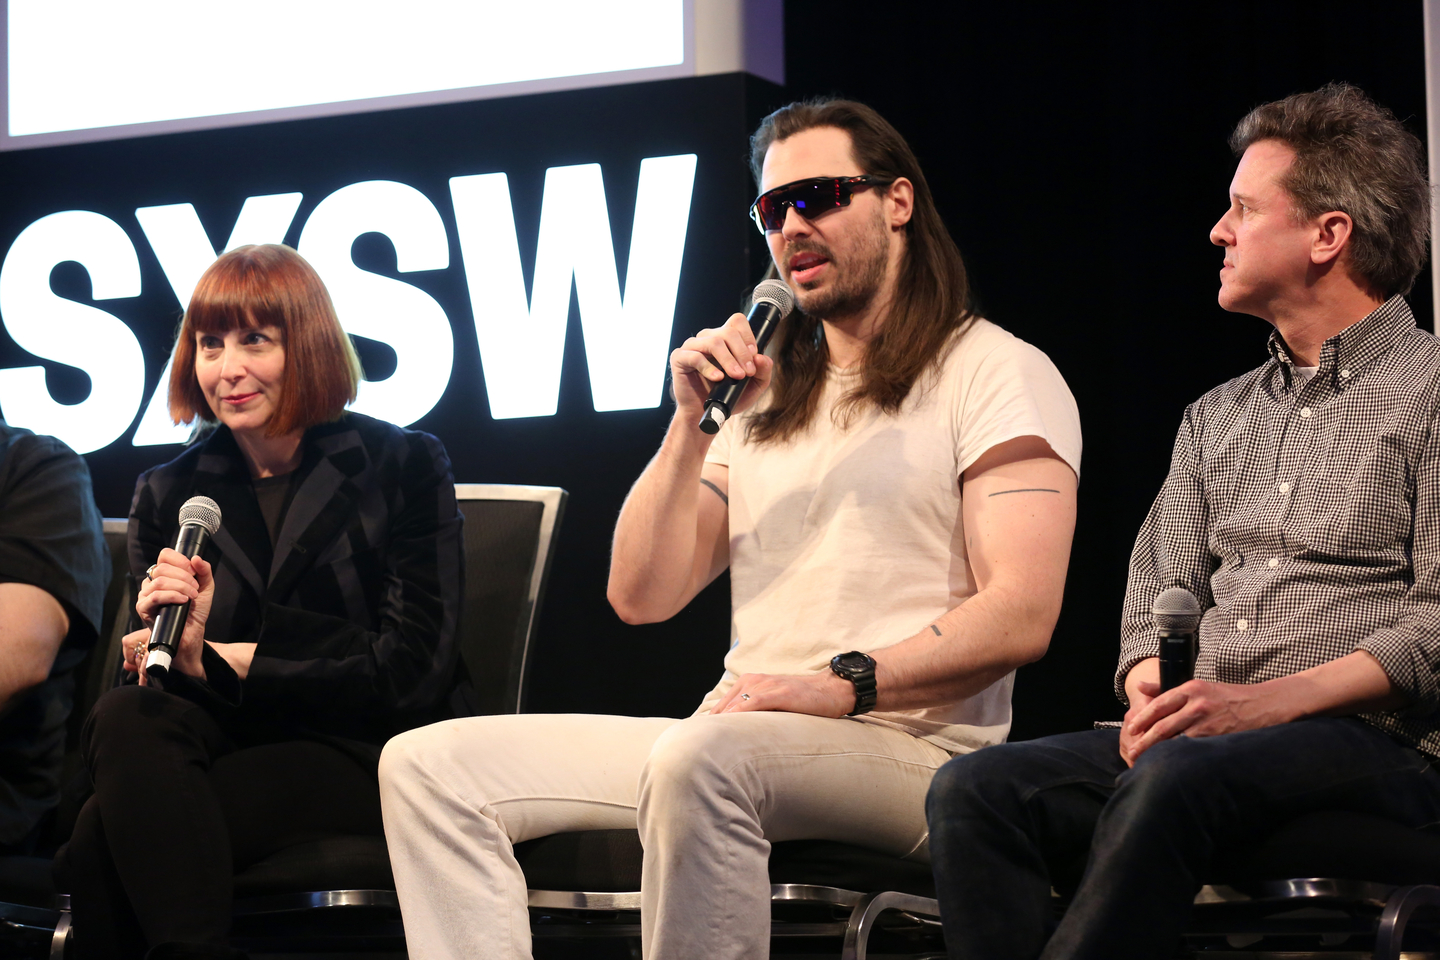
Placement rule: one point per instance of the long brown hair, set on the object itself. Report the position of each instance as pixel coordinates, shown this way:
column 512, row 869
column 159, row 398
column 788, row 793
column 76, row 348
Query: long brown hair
column 264, row 285
column 932, row 294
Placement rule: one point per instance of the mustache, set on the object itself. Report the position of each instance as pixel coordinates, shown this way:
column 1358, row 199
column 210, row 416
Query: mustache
column 805, row 246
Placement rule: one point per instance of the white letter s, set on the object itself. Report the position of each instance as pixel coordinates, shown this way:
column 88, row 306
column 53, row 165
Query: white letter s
column 54, row 328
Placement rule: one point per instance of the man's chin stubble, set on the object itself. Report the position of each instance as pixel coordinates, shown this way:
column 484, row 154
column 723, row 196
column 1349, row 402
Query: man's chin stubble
column 835, row 305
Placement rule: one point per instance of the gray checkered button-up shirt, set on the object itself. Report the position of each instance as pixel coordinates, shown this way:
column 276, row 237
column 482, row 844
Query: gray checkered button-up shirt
column 1305, row 517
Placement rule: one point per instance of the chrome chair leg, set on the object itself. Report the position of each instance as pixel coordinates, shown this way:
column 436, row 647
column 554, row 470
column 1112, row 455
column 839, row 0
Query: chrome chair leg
column 1398, row 908
column 864, row 914
column 61, row 937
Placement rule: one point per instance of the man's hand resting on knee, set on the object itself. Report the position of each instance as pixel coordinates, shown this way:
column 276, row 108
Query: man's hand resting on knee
column 820, row 695
column 1355, row 683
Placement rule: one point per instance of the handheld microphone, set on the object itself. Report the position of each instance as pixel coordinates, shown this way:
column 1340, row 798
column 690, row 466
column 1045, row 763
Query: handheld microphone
column 771, row 302
column 1177, row 615
column 199, row 519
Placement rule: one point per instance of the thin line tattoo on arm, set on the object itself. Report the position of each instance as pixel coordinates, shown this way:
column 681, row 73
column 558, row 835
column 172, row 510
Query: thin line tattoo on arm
column 937, row 630
column 1001, row 493
column 718, row 492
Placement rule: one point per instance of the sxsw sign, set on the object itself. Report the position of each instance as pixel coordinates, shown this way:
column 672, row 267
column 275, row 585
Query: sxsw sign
column 521, row 338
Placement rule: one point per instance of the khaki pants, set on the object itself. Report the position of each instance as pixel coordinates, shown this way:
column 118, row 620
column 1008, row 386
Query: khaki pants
column 708, row 794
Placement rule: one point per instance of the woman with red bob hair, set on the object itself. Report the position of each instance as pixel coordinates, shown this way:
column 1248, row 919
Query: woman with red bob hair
column 322, row 620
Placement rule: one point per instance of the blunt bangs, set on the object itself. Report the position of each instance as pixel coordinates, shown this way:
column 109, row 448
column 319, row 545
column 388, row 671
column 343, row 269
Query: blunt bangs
column 269, row 285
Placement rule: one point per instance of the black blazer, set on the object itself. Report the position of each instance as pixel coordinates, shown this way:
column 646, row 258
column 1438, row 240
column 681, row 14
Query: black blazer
column 354, row 611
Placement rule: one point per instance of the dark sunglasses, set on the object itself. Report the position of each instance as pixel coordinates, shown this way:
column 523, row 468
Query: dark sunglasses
column 810, row 198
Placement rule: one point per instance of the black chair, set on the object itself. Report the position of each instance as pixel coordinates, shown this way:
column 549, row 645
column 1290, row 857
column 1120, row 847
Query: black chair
column 1326, row 882
column 510, row 537
column 338, row 894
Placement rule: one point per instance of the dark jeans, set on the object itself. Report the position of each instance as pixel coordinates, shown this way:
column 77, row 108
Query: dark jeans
column 178, row 808
column 1008, row 821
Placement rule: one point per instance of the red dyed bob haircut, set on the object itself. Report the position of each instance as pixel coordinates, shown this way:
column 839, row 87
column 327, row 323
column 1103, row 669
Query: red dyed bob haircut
column 270, row 285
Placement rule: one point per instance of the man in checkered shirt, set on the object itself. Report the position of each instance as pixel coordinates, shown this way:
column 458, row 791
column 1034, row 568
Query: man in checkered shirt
column 1303, row 510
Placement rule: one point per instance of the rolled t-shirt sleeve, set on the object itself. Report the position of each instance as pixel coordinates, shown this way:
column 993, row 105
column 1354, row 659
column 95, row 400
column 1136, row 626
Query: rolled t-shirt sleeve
column 1012, row 390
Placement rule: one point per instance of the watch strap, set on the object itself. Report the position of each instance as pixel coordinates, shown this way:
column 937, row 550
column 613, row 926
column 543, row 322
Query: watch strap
column 859, row 669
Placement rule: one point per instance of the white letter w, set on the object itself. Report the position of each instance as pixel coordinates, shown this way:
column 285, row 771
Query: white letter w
column 522, row 344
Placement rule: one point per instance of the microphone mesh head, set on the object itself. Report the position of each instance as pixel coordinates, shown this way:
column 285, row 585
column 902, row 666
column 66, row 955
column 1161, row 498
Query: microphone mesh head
column 201, row 510
column 1176, row 609
column 774, row 291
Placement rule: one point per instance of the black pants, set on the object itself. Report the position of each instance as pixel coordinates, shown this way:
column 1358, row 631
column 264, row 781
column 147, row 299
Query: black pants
column 179, row 808
column 1009, row 821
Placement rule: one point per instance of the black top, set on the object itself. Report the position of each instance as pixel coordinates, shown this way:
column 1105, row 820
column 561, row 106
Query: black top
column 51, row 538
column 272, row 493
column 354, row 608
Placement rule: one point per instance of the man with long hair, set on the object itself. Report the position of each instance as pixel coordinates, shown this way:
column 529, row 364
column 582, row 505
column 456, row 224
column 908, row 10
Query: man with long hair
column 894, row 498
column 1302, row 510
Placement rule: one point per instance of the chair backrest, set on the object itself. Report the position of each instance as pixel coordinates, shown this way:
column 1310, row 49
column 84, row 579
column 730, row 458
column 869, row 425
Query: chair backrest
column 510, row 536
column 101, row 670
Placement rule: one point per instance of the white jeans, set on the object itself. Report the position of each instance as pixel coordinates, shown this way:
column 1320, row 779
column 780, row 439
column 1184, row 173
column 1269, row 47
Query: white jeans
column 709, row 794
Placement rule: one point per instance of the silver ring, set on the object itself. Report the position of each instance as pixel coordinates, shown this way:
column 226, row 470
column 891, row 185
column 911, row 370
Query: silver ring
column 744, row 696
column 139, row 652
column 150, row 574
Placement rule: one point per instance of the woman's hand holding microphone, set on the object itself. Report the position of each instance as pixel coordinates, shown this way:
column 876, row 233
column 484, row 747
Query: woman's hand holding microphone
column 176, row 579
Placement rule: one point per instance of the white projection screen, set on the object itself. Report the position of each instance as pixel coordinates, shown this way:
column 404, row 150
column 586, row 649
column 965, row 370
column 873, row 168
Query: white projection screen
column 82, row 70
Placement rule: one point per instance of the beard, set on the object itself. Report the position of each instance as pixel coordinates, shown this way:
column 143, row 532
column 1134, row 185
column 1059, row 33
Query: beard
column 856, row 279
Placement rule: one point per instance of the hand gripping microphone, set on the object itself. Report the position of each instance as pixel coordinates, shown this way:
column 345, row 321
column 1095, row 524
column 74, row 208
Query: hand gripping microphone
column 199, row 519
column 1177, row 615
column 771, row 302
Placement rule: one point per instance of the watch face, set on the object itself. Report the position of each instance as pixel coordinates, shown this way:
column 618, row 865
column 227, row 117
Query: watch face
column 852, row 664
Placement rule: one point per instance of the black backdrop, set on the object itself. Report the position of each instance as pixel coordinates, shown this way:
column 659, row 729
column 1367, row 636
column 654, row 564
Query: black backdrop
column 1076, row 150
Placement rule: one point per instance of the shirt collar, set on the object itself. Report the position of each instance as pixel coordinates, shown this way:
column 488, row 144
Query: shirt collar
column 1357, row 345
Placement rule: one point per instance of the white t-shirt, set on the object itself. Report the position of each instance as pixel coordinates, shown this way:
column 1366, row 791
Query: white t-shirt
column 854, row 539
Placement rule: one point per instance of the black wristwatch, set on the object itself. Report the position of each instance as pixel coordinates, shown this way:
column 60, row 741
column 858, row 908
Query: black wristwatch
column 859, row 669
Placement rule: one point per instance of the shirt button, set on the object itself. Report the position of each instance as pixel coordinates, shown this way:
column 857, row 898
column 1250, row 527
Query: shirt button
column 1242, row 624
column 1285, row 488
column 1345, row 374
column 1274, row 562
column 1305, row 413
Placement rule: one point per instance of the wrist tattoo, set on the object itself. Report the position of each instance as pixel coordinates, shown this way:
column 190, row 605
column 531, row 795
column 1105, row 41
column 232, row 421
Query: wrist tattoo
column 937, row 630
column 718, row 492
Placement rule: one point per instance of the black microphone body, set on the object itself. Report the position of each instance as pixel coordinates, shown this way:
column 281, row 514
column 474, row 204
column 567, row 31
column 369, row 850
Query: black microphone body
column 196, row 526
column 1177, row 659
column 1177, row 617
column 772, row 303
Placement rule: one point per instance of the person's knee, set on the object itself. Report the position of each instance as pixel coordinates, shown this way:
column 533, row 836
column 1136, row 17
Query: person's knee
column 402, row 761
column 122, row 716
column 688, row 754
column 419, row 764
column 703, row 762
column 955, row 785
column 986, row 779
column 127, row 704
column 1179, row 767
